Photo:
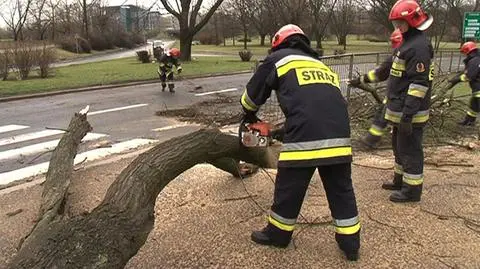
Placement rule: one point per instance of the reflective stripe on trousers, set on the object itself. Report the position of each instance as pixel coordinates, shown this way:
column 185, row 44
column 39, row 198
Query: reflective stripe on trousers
column 347, row 226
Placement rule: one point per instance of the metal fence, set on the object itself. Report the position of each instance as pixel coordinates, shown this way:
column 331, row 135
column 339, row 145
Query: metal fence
column 348, row 66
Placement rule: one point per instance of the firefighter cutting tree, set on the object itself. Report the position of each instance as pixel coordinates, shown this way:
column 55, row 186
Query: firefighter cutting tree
column 472, row 75
column 167, row 63
column 381, row 73
column 317, row 136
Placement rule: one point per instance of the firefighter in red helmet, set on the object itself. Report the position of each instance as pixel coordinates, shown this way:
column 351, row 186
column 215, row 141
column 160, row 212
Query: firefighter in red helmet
column 317, row 136
column 470, row 74
column 167, row 62
column 381, row 73
column 409, row 91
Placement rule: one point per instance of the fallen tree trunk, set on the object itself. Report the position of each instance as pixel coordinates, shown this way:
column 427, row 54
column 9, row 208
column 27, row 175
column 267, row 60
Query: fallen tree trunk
column 116, row 229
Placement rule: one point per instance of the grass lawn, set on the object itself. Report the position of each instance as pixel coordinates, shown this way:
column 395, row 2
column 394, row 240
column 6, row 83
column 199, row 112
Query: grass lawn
column 115, row 71
column 353, row 46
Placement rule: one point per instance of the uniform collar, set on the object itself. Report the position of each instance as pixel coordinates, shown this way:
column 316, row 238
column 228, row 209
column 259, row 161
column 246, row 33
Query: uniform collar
column 411, row 33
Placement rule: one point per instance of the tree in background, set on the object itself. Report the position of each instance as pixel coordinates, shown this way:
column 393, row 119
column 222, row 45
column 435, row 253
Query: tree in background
column 187, row 12
column 320, row 12
column 342, row 20
column 14, row 14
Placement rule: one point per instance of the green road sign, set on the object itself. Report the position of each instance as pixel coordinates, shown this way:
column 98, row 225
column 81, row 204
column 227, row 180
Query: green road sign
column 471, row 25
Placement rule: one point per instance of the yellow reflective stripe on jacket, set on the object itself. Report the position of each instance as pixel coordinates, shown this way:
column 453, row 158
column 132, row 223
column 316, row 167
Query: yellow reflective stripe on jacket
column 476, row 94
column 398, row 66
column 319, row 149
column 431, row 72
column 372, row 76
column 417, row 90
column 313, row 70
column 281, row 226
column 247, row 102
column 396, row 73
column 412, row 179
column 385, row 100
column 419, row 117
column 464, row 78
column 315, row 154
column 347, row 226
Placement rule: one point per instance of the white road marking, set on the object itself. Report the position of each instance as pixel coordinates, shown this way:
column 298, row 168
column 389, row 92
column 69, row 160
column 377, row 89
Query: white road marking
column 215, row 92
column 41, row 147
column 11, row 127
column 29, row 136
column 12, row 176
column 115, row 109
column 174, row 126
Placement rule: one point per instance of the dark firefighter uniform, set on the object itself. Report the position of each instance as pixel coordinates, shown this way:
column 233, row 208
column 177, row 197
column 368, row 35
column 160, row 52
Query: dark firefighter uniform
column 317, row 135
column 379, row 124
column 167, row 63
column 472, row 75
column 409, row 91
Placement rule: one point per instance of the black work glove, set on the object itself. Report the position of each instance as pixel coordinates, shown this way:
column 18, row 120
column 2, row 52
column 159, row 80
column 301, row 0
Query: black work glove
column 250, row 117
column 278, row 134
column 405, row 125
column 355, row 82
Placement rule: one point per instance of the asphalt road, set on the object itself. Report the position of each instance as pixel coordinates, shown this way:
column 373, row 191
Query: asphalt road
column 119, row 115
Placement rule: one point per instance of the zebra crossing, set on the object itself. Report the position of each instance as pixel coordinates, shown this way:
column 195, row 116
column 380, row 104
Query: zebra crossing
column 21, row 142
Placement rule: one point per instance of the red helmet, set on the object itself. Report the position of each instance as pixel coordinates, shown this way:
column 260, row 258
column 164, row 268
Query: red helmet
column 468, row 47
column 411, row 12
column 174, row 52
column 396, row 38
column 284, row 32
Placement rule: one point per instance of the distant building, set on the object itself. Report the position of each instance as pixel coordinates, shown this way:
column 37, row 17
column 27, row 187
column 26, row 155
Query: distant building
column 155, row 20
column 134, row 18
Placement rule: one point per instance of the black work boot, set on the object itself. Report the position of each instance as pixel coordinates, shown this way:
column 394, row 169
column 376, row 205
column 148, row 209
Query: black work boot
column 171, row 88
column 349, row 244
column 163, row 87
column 408, row 193
column 269, row 238
column 468, row 121
column 370, row 141
column 395, row 185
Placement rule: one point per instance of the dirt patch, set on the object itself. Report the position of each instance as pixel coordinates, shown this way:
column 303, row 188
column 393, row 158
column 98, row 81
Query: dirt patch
column 205, row 216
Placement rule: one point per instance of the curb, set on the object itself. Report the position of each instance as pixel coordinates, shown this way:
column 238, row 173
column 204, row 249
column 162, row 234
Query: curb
column 110, row 86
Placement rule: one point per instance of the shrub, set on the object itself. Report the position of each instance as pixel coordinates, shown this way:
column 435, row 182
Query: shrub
column 241, row 40
column 143, row 56
column 23, row 56
column 100, row 42
column 75, row 45
column 4, row 63
column 245, row 55
column 45, row 57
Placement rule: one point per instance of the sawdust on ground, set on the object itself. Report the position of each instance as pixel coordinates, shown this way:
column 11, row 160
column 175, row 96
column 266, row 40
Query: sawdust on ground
column 205, row 216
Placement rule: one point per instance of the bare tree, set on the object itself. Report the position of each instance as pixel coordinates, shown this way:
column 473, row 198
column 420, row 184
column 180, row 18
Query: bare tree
column 187, row 11
column 15, row 16
column 289, row 11
column 40, row 19
column 343, row 18
column 320, row 13
column 242, row 11
column 262, row 19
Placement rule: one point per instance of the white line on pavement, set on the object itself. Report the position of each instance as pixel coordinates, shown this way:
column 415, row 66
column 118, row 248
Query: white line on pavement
column 115, row 109
column 215, row 92
column 11, row 127
column 174, row 126
column 12, row 176
column 29, row 136
column 41, row 147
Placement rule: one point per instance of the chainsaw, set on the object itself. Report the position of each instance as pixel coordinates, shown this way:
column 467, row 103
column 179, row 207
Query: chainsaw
column 258, row 134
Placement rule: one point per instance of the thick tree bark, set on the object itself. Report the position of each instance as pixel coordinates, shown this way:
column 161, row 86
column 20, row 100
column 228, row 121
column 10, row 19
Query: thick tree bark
column 116, row 229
